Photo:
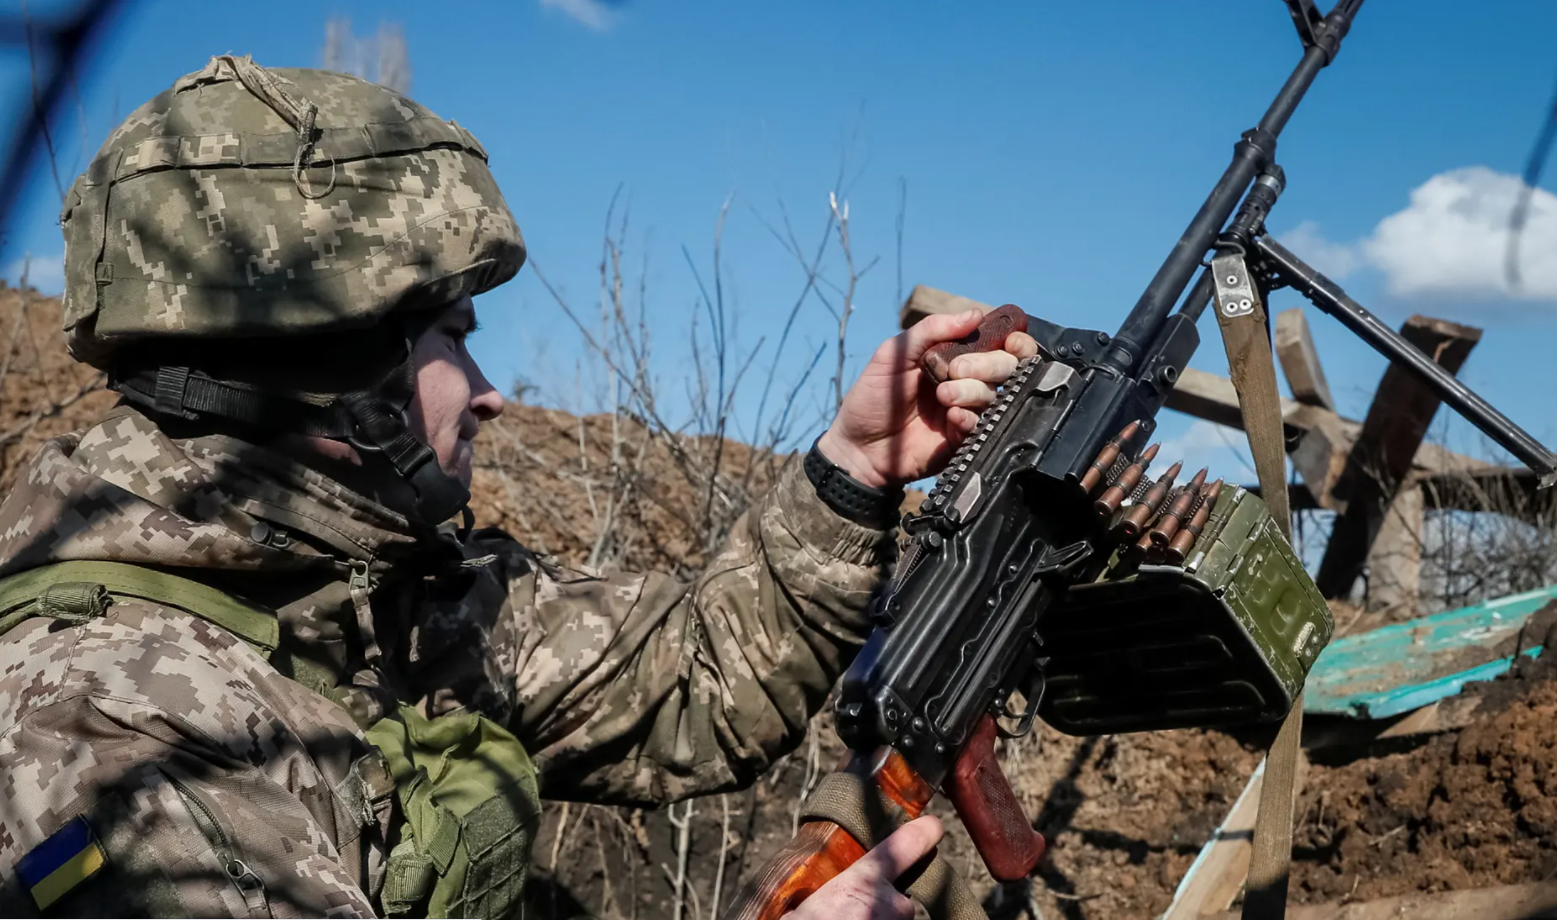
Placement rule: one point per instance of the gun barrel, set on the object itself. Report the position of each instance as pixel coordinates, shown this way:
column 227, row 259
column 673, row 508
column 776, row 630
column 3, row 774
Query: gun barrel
column 1250, row 155
column 1328, row 296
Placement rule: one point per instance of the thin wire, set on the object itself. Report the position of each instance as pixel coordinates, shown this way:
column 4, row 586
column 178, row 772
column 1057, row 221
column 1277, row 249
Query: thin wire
column 68, row 45
column 1533, row 167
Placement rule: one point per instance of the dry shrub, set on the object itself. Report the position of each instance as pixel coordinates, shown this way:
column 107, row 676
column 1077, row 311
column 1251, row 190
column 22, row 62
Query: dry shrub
column 606, row 491
column 1503, row 542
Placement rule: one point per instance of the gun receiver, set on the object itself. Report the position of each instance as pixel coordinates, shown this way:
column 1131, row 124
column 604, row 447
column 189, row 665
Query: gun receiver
column 1047, row 575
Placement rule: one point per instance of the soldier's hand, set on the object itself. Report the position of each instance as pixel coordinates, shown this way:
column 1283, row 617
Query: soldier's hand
column 897, row 425
column 866, row 890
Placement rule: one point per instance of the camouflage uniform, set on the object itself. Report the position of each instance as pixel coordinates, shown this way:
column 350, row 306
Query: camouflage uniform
column 219, row 786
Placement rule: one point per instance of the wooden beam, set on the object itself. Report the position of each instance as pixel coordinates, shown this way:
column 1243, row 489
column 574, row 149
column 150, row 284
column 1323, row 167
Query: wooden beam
column 1329, row 732
column 1384, row 451
column 924, row 301
column 1207, row 396
column 1300, row 361
column 1320, row 452
column 1395, row 559
column 1217, row 875
column 1319, row 442
column 1533, row 901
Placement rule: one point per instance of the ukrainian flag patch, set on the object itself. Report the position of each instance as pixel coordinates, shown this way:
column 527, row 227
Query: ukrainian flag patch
column 53, row 868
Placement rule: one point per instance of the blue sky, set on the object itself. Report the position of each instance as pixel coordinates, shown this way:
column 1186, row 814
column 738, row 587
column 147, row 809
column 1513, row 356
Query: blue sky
column 1051, row 154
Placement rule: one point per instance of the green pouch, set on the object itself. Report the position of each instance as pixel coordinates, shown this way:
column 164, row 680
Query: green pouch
column 468, row 794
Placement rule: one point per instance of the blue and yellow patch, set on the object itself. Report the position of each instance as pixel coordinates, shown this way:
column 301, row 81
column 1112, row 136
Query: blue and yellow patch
column 54, row 867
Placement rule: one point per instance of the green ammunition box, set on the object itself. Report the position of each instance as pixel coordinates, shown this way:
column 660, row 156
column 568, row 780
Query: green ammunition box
column 1226, row 639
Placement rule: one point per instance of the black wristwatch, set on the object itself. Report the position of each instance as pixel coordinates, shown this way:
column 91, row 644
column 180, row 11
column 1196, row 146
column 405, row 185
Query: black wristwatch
column 849, row 498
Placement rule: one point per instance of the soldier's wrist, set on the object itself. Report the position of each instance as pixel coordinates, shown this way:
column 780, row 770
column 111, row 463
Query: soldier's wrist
column 866, row 503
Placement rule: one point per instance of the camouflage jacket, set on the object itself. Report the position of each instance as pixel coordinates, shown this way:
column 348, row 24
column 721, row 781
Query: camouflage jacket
column 631, row 689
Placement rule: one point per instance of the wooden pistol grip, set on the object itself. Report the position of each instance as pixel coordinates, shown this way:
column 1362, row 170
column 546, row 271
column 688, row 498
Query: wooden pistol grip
column 822, row 849
column 988, row 807
column 989, row 336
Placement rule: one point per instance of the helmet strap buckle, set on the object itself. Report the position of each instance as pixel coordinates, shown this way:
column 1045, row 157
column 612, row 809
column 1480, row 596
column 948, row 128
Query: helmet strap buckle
column 171, row 387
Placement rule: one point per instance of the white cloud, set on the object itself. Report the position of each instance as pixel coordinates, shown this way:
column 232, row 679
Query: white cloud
column 45, row 273
column 1452, row 239
column 1221, row 450
column 1336, row 260
column 595, row 14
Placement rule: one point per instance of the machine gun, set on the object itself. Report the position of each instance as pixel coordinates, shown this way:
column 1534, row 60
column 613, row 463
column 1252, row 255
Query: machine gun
column 1047, row 576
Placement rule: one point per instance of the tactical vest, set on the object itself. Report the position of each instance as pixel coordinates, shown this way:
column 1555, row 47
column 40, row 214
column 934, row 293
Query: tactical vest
column 466, row 789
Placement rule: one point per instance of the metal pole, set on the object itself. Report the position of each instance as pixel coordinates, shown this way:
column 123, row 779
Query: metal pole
column 1328, row 296
column 1250, row 155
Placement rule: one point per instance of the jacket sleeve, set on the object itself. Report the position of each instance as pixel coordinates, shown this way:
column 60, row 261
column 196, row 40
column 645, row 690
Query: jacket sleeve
column 642, row 690
column 183, row 757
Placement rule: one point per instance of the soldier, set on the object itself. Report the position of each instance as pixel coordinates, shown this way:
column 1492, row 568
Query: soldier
column 248, row 664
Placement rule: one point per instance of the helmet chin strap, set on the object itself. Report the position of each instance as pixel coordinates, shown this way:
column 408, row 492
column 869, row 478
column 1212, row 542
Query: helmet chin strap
column 372, row 421
column 381, row 428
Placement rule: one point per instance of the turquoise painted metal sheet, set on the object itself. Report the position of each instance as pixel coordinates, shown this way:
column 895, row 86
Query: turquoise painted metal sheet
column 1398, row 668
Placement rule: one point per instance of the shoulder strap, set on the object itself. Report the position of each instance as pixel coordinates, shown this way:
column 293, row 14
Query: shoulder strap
column 1246, row 338
column 77, row 591
column 22, row 597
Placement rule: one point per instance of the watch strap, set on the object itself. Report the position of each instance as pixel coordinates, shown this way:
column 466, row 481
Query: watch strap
column 849, row 498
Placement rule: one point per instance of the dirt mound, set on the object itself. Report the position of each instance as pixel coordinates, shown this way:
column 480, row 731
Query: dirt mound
column 1124, row 815
column 43, row 393
column 608, row 491
column 1465, row 809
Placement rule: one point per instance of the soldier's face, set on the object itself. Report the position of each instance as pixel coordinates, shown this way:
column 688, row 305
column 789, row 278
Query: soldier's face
column 452, row 397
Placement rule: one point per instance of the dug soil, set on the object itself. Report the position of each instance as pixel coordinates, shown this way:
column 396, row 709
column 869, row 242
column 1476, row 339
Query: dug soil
column 1465, row 809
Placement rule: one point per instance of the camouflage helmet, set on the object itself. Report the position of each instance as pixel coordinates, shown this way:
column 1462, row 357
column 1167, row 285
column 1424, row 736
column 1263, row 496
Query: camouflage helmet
column 244, row 204
column 249, row 202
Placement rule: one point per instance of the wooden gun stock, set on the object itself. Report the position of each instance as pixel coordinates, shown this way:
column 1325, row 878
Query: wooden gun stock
column 978, row 791
column 822, row 849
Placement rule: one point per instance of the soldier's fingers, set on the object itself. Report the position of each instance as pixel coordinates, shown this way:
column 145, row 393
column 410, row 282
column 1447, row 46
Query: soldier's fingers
column 967, row 393
column 963, row 420
column 897, row 906
column 1021, row 345
column 938, row 328
column 907, row 845
column 988, row 366
column 852, row 898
